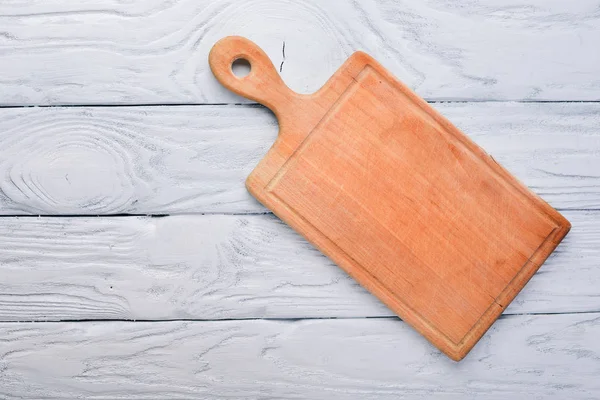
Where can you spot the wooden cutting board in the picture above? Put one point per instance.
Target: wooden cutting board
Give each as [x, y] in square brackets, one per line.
[396, 195]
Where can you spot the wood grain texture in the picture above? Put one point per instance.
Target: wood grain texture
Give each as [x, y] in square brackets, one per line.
[396, 195]
[96, 160]
[549, 357]
[153, 51]
[219, 267]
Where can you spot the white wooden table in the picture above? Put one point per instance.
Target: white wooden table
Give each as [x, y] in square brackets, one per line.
[133, 264]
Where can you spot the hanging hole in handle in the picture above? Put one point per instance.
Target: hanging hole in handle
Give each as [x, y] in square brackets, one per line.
[241, 67]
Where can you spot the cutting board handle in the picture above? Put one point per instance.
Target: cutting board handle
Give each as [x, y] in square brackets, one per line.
[263, 84]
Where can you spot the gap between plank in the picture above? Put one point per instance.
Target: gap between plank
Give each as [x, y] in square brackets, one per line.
[124, 215]
[83, 215]
[260, 105]
[386, 317]
[162, 215]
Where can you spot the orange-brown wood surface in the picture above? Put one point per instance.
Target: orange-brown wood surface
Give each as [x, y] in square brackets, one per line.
[396, 195]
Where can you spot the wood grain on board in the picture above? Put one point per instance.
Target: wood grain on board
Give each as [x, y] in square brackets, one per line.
[154, 51]
[548, 356]
[168, 160]
[220, 267]
[396, 195]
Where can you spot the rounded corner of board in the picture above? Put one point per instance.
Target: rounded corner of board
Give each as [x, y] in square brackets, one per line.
[361, 57]
[455, 351]
[251, 185]
[255, 187]
[564, 224]
[459, 353]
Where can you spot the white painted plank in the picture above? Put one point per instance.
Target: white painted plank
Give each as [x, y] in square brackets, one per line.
[537, 357]
[98, 160]
[131, 160]
[154, 51]
[220, 267]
